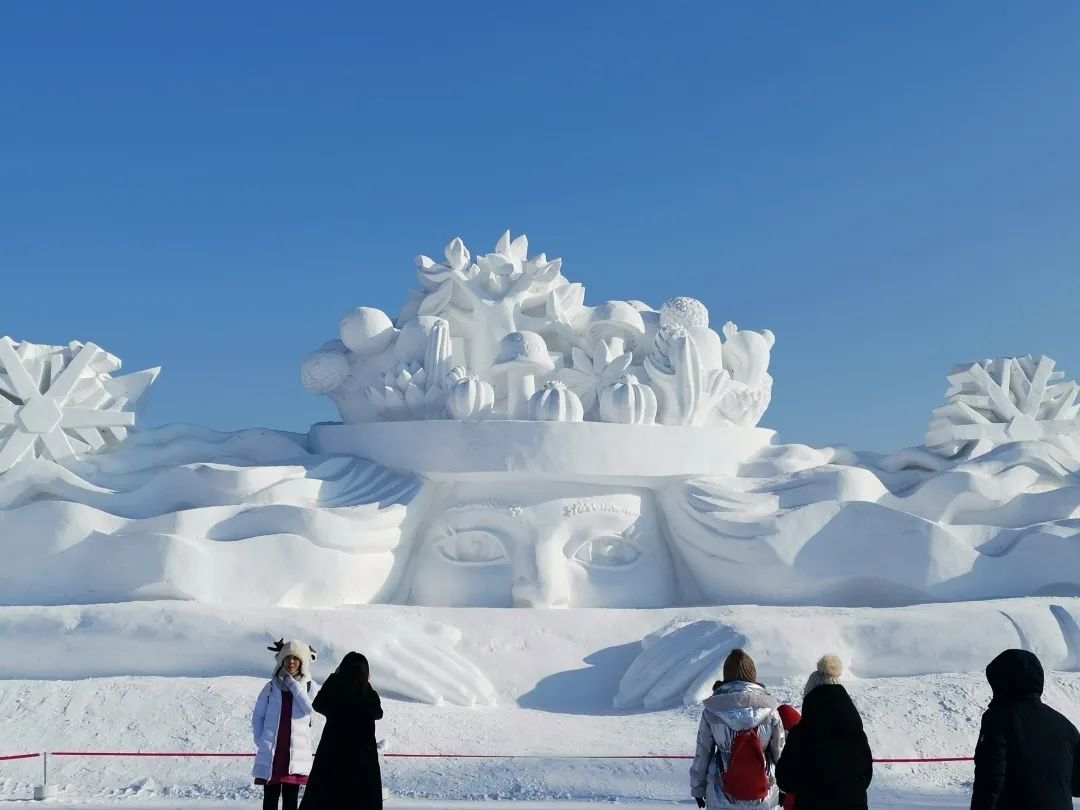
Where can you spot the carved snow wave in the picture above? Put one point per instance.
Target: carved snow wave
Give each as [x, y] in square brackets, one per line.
[187, 513]
[869, 531]
[679, 662]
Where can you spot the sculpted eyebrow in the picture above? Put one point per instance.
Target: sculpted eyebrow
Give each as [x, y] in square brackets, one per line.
[487, 507]
[587, 507]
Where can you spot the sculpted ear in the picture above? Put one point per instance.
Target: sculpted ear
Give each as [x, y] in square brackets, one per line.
[277, 645]
[314, 653]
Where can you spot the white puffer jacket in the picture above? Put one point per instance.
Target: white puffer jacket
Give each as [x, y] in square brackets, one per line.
[735, 707]
[267, 714]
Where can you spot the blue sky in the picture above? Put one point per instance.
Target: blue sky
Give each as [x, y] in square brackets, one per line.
[890, 188]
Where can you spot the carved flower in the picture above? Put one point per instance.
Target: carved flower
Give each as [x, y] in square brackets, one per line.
[589, 375]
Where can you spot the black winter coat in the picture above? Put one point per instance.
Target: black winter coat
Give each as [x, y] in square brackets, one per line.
[345, 773]
[827, 761]
[1028, 756]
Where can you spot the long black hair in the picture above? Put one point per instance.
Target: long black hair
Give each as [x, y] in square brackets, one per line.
[355, 671]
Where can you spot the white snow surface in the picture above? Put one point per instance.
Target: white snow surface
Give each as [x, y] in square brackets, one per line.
[255, 518]
[140, 588]
[181, 677]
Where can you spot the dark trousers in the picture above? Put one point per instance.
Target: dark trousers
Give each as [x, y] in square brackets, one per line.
[287, 793]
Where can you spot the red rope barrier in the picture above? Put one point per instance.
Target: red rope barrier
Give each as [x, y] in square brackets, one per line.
[19, 756]
[928, 759]
[162, 754]
[183, 755]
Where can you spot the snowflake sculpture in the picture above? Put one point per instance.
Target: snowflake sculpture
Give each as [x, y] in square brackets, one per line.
[1009, 399]
[60, 401]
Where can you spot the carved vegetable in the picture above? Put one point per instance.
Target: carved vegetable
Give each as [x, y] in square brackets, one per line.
[470, 399]
[628, 402]
[689, 392]
[555, 403]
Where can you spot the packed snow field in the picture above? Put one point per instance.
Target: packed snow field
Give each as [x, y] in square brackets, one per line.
[541, 683]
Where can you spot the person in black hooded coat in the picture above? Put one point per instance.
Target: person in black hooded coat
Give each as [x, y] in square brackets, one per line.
[345, 773]
[1028, 755]
[827, 762]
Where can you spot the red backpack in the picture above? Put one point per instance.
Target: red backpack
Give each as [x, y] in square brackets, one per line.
[747, 777]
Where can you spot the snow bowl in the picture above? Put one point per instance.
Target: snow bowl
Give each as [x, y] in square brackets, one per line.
[438, 448]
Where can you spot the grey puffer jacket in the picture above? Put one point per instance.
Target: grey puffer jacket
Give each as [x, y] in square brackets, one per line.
[736, 706]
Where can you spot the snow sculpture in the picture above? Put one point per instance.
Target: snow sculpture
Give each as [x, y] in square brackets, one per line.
[1009, 399]
[680, 661]
[628, 401]
[746, 359]
[522, 355]
[592, 373]
[57, 402]
[569, 544]
[555, 403]
[470, 398]
[516, 323]
[247, 518]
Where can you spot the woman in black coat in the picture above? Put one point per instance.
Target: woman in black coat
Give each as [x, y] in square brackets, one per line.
[345, 773]
[826, 761]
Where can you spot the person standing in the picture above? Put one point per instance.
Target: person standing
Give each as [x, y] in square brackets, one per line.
[827, 762]
[740, 738]
[1028, 755]
[281, 725]
[346, 771]
[790, 717]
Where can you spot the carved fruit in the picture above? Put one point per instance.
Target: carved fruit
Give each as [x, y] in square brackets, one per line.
[324, 370]
[555, 403]
[470, 399]
[628, 402]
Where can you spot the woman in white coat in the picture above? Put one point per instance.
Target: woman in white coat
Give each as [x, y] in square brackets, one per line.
[281, 726]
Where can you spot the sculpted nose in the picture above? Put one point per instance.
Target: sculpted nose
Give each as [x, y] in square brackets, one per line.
[532, 594]
[539, 582]
[527, 594]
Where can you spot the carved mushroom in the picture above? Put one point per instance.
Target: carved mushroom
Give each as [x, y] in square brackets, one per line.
[618, 323]
[522, 355]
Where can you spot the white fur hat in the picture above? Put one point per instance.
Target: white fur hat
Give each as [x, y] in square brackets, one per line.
[305, 653]
[829, 669]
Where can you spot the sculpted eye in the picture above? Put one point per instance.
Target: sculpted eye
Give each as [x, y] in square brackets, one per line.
[606, 551]
[473, 547]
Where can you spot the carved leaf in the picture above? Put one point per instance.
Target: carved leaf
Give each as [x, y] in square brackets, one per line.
[457, 255]
[564, 302]
[616, 368]
[548, 272]
[519, 248]
[430, 272]
[581, 359]
[436, 301]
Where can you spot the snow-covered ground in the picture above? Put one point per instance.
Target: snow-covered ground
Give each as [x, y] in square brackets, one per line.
[550, 677]
[897, 801]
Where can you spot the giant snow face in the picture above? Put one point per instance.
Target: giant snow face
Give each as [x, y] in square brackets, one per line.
[563, 545]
